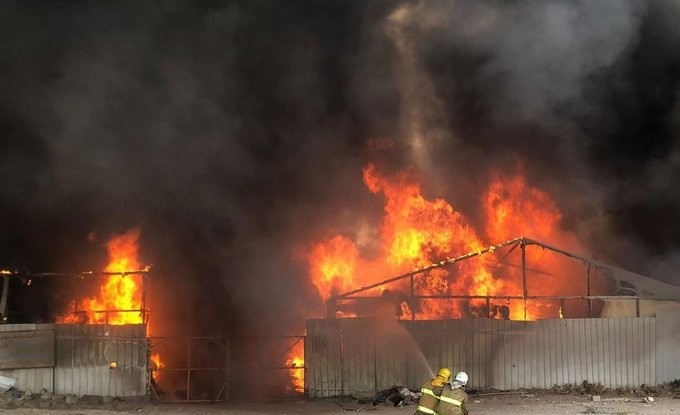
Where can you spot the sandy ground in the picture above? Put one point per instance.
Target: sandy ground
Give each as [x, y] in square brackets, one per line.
[516, 403]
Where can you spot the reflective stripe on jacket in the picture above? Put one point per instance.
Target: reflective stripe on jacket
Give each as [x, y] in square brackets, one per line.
[429, 398]
[452, 402]
[424, 410]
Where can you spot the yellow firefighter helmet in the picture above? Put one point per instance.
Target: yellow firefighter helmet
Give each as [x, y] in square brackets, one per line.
[443, 376]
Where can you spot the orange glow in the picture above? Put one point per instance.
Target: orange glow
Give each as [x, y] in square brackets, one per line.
[120, 296]
[514, 209]
[416, 232]
[156, 364]
[297, 367]
[117, 292]
[337, 265]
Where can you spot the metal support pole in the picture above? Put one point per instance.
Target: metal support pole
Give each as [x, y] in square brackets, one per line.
[524, 276]
[412, 301]
[3, 300]
[375, 366]
[149, 373]
[590, 302]
[226, 369]
[330, 308]
[143, 310]
[342, 361]
[189, 370]
[305, 391]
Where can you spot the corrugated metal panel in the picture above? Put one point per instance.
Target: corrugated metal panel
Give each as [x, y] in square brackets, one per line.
[668, 339]
[33, 379]
[26, 349]
[358, 348]
[89, 350]
[614, 352]
[323, 358]
[414, 361]
[83, 354]
[17, 327]
[495, 353]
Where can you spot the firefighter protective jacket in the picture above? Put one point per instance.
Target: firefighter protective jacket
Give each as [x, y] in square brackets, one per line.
[452, 402]
[429, 398]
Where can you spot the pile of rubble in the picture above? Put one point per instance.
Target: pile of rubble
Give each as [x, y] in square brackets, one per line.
[14, 398]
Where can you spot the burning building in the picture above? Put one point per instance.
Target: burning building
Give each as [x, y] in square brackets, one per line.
[384, 334]
[106, 343]
[98, 345]
[329, 162]
[516, 314]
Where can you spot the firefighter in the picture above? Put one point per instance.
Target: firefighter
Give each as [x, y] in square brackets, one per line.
[431, 391]
[454, 400]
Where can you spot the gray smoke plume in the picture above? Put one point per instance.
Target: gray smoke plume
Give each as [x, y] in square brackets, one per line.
[233, 134]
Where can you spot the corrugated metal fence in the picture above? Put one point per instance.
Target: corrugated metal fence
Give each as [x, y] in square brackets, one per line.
[76, 359]
[364, 356]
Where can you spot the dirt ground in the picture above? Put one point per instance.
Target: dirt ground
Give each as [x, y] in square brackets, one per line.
[511, 403]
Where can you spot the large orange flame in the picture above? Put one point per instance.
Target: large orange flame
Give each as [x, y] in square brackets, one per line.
[338, 264]
[156, 364]
[416, 232]
[514, 208]
[296, 363]
[120, 296]
[119, 300]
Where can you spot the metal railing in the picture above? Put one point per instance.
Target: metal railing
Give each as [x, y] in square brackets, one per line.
[195, 367]
[632, 287]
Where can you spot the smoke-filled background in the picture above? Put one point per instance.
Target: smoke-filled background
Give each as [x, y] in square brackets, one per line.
[233, 134]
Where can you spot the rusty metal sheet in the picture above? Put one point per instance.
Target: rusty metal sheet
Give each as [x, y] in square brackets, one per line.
[497, 354]
[24, 349]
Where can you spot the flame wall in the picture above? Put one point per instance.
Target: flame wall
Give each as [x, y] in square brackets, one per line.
[236, 136]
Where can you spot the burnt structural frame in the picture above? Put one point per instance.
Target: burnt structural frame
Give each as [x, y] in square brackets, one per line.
[223, 392]
[144, 274]
[522, 243]
[143, 310]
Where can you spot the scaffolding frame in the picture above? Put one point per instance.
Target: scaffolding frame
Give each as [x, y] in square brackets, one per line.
[190, 368]
[268, 364]
[144, 274]
[640, 287]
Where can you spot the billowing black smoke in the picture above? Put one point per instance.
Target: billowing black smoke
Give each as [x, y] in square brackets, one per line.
[234, 133]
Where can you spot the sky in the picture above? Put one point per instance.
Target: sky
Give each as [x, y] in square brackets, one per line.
[233, 133]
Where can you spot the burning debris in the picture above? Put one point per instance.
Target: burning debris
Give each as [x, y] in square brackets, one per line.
[447, 87]
[416, 233]
[121, 294]
[295, 363]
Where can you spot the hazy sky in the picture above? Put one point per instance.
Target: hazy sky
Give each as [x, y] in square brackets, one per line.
[234, 133]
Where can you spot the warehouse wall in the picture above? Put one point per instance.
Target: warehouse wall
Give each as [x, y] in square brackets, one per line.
[667, 342]
[364, 356]
[644, 308]
[81, 359]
